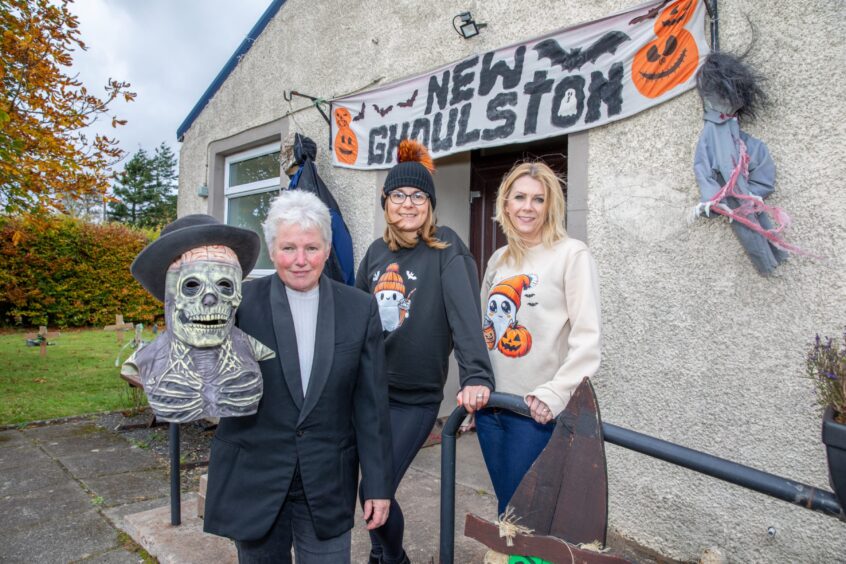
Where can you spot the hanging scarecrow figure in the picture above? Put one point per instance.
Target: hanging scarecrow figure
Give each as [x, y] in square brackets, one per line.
[298, 155]
[734, 170]
[201, 365]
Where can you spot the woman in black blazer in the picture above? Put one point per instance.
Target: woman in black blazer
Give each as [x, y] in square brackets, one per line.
[288, 474]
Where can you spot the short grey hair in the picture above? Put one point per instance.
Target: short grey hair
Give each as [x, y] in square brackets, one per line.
[300, 208]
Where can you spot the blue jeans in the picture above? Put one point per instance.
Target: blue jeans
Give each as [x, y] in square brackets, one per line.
[293, 526]
[510, 444]
[410, 427]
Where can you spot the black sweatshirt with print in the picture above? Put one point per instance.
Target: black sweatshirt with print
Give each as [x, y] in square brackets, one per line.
[429, 302]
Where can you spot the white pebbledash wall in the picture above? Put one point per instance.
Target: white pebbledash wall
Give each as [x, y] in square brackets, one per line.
[698, 348]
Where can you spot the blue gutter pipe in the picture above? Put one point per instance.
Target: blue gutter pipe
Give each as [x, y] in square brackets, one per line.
[229, 67]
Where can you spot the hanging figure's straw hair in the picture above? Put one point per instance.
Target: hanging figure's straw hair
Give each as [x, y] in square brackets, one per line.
[726, 79]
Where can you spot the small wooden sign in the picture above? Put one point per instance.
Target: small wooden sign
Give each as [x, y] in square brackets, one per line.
[119, 327]
[42, 338]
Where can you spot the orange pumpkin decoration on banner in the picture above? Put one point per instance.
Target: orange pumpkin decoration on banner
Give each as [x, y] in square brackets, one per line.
[346, 143]
[675, 16]
[516, 342]
[670, 59]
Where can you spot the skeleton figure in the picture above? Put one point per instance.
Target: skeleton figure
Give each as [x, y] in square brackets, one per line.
[202, 365]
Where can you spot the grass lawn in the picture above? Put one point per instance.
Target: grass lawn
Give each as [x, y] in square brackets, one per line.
[77, 376]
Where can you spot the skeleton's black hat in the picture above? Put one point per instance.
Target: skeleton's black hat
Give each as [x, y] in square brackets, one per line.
[186, 233]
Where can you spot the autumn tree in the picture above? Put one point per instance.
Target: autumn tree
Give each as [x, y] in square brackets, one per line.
[46, 159]
[144, 193]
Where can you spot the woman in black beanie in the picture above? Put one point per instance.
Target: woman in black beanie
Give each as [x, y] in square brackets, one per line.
[424, 280]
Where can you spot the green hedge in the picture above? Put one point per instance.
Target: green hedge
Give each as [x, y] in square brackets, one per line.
[69, 273]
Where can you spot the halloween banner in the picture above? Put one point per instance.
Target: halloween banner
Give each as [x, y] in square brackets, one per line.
[570, 80]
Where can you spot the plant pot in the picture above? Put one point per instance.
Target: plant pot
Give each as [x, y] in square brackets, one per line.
[834, 438]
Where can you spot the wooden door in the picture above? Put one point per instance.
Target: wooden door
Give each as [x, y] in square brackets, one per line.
[487, 169]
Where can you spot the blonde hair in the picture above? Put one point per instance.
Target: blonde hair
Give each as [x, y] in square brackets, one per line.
[397, 239]
[552, 229]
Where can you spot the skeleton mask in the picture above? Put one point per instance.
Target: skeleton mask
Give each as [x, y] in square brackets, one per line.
[202, 293]
[202, 365]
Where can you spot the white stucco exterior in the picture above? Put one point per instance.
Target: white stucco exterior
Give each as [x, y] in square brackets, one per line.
[698, 348]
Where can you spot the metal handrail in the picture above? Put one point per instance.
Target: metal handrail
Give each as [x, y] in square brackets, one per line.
[791, 491]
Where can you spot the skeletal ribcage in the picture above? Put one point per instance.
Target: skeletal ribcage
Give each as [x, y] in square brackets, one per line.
[176, 398]
[238, 393]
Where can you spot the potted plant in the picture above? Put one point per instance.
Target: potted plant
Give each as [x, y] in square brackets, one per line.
[826, 367]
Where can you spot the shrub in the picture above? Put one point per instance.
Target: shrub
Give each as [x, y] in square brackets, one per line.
[70, 273]
[826, 367]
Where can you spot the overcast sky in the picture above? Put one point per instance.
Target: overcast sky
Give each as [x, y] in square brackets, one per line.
[169, 50]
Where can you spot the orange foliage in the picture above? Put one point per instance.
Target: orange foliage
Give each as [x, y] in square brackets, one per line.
[68, 273]
[45, 157]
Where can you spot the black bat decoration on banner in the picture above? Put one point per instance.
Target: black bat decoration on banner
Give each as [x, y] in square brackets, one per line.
[410, 102]
[383, 112]
[360, 114]
[650, 14]
[573, 59]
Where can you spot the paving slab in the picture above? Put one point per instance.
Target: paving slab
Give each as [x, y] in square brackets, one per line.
[75, 538]
[48, 433]
[40, 506]
[29, 477]
[185, 544]
[110, 460]
[12, 437]
[419, 497]
[26, 454]
[470, 469]
[81, 444]
[130, 487]
[117, 556]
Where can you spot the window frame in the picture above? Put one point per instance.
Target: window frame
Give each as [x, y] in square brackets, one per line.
[251, 188]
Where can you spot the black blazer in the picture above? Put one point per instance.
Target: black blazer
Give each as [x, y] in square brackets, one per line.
[343, 418]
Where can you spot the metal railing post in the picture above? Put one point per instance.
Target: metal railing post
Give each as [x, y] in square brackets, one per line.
[793, 492]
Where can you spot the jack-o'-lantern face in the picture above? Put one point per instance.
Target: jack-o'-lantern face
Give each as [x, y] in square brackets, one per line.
[664, 63]
[346, 146]
[516, 342]
[675, 16]
[346, 143]
[343, 117]
[490, 336]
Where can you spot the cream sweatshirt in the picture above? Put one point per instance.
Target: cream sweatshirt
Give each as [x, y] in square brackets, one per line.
[541, 321]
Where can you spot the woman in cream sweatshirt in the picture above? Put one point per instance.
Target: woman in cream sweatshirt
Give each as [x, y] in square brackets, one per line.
[541, 321]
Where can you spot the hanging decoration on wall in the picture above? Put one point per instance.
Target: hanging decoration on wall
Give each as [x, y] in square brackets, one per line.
[735, 171]
[201, 365]
[570, 80]
[298, 155]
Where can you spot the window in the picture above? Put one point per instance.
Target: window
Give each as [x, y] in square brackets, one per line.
[251, 181]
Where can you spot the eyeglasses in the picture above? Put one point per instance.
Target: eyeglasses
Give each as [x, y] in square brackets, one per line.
[418, 198]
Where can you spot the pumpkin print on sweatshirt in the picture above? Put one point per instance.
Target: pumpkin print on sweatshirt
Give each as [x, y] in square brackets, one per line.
[392, 297]
[500, 327]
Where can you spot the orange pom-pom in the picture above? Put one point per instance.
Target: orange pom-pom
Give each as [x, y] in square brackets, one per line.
[414, 151]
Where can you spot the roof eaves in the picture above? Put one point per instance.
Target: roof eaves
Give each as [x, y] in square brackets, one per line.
[229, 67]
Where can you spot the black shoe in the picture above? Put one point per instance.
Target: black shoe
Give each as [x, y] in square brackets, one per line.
[403, 560]
[374, 559]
